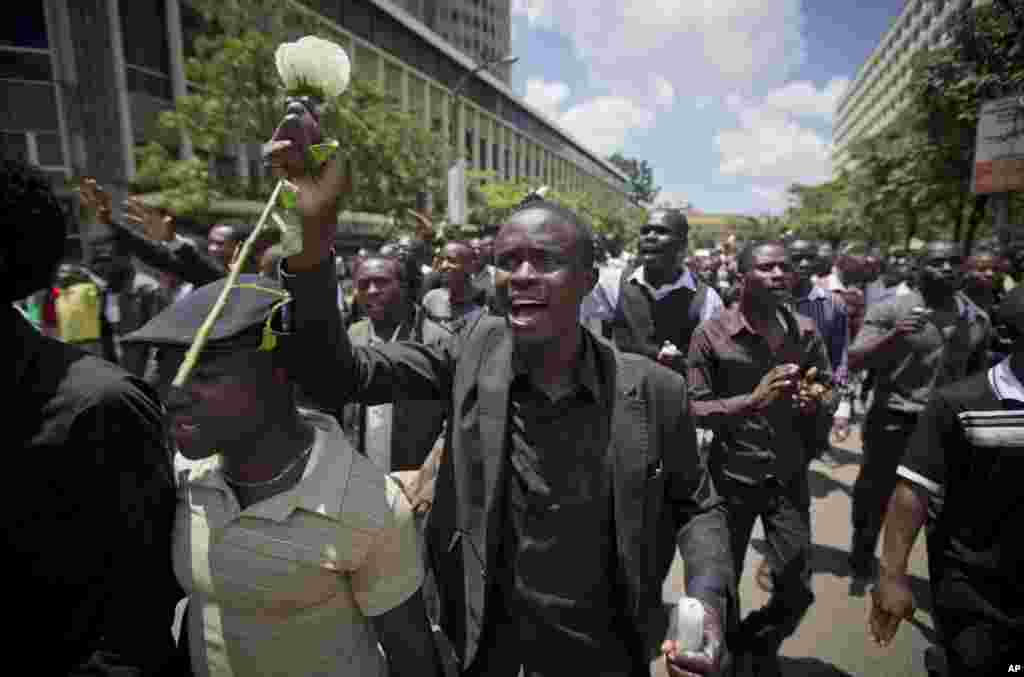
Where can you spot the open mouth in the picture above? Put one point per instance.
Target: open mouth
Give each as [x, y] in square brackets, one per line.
[526, 312]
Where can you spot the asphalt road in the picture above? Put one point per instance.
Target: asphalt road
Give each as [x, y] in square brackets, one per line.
[833, 639]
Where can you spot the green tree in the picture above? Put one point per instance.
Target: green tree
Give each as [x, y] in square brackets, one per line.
[642, 191]
[610, 216]
[238, 99]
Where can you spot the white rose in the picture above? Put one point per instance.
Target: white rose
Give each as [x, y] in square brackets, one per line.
[314, 62]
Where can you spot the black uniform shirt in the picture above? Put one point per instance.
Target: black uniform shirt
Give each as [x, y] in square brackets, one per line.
[559, 547]
[968, 453]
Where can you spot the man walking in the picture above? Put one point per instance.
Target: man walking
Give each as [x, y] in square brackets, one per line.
[746, 365]
[571, 471]
[655, 307]
[914, 342]
[458, 301]
[967, 455]
[830, 317]
[385, 289]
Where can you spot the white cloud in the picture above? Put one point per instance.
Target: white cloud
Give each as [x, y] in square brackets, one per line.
[664, 92]
[802, 98]
[547, 96]
[772, 147]
[713, 46]
[601, 123]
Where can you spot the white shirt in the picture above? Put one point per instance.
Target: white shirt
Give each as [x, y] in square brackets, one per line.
[604, 299]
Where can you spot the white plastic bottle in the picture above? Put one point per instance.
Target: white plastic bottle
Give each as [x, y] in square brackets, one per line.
[689, 624]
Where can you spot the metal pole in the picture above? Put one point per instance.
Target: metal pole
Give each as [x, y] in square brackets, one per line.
[457, 194]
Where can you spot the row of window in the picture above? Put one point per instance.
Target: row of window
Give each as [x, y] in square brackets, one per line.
[891, 50]
[472, 21]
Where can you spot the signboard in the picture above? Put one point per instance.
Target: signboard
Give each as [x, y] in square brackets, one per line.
[999, 154]
[457, 193]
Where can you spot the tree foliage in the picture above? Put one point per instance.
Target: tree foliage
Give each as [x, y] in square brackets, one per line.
[913, 179]
[492, 201]
[642, 191]
[238, 99]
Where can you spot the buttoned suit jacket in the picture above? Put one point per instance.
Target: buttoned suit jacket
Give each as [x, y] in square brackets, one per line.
[662, 494]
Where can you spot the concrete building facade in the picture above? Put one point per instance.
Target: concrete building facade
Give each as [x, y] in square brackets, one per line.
[880, 90]
[84, 80]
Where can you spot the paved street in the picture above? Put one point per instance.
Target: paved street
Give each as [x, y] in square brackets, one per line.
[833, 639]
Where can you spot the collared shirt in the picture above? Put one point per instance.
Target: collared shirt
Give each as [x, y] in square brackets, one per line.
[909, 370]
[288, 585]
[439, 306]
[380, 417]
[560, 545]
[967, 453]
[604, 298]
[833, 324]
[727, 360]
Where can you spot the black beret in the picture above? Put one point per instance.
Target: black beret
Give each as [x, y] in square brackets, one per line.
[247, 312]
[1011, 309]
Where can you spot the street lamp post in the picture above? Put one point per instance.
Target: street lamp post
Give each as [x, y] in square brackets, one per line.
[457, 189]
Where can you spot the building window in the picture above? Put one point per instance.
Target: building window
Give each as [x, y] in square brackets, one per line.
[144, 34]
[24, 25]
[20, 65]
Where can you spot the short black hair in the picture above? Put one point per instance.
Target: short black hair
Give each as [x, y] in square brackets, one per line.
[745, 260]
[34, 227]
[409, 275]
[674, 218]
[557, 213]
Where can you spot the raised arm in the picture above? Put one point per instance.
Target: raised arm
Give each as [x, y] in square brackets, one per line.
[880, 341]
[320, 357]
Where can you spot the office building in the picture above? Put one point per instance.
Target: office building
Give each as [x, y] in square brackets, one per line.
[84, 80]
[880, 90]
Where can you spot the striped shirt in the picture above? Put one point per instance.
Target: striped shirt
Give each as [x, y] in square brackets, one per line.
[968, 452]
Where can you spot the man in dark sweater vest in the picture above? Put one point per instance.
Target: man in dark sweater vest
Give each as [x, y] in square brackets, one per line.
[659, 304]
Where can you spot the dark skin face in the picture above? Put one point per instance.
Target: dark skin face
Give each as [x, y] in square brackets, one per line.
[539, 277]
[826, 255]
[379, 291]
[220, 244]
[457, 262]
[941, 267]
[803, 256]
[898, 269]
[660, 244]
[767, 281]
[980, 272]
[225, 393]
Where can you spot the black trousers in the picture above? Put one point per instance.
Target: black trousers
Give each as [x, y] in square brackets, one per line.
[886, 435]
[784, 509]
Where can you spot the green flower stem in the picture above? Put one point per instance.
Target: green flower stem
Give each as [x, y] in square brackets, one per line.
[204, 331]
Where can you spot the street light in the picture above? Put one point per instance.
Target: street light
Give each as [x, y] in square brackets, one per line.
[457, 173]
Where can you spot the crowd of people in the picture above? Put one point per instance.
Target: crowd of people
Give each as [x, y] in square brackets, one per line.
[481, 457]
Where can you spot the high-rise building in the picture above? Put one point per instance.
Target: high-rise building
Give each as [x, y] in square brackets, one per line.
[481, 29]
[880, 90]
[83, 82]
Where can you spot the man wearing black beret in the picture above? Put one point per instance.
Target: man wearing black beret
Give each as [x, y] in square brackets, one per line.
[303, 550]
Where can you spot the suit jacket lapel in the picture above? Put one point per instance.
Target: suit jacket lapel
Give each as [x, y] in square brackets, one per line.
[630, 448]
[493, 382]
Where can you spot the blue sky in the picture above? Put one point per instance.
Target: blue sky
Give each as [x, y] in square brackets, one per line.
[730, 100]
